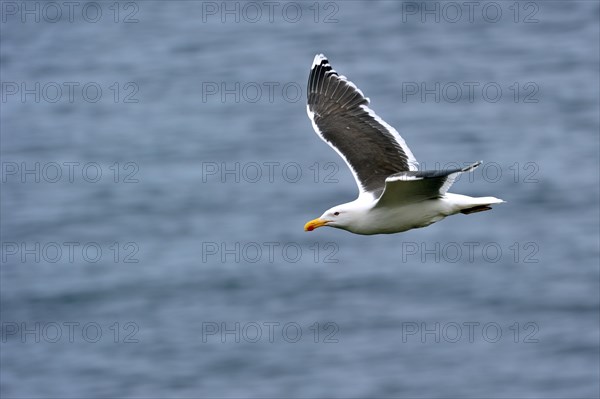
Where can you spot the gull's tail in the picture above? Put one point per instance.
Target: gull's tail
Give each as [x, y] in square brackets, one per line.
[467, 205]
[479, 204]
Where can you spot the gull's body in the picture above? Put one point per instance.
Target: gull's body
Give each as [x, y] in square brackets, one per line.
[394, 196]
[367, 218]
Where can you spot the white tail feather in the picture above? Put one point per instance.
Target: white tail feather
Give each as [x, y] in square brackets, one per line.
[459, 202]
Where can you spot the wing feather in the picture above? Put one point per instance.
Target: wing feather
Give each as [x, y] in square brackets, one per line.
[340, 115]
[407, 187]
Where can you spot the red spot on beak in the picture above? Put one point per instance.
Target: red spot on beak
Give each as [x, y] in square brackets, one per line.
[310, 228]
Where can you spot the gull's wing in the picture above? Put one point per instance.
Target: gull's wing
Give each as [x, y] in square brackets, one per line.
[340, 115]
[416, 186]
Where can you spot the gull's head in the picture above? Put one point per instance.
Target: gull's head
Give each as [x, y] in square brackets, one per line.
[337, 216]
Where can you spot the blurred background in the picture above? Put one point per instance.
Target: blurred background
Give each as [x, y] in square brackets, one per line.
[158, 167]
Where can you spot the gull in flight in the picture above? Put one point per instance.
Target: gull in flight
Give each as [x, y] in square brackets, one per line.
[394, 196]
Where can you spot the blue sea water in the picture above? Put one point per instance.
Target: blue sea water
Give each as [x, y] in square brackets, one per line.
[158, 168]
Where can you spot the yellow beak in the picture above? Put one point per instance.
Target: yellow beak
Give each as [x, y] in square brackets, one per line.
[313, 224]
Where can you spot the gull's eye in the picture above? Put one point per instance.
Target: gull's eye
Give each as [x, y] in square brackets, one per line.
[336, 213]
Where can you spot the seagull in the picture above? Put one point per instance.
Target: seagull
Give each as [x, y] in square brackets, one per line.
[393, 194]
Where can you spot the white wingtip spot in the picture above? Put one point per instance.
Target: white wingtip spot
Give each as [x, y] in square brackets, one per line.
[317, 60]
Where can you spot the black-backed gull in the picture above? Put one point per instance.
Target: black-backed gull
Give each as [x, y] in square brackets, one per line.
[394, 196]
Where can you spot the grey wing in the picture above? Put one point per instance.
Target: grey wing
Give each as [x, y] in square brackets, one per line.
[416, 186]
[340, 115]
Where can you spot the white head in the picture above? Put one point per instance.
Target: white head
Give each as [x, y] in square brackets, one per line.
[341, 216]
